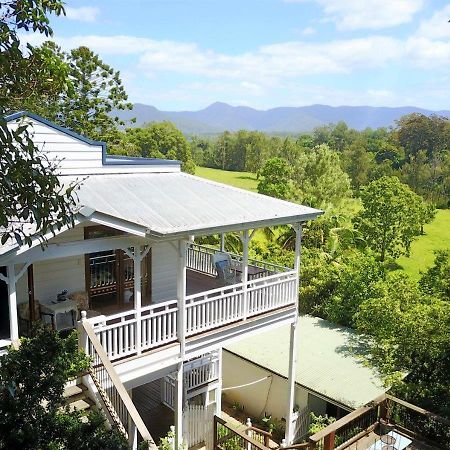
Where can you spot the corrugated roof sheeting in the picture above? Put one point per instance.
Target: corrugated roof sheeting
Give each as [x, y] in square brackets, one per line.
[169, 203]
[325, 362]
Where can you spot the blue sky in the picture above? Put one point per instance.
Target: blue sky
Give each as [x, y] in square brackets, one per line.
[186, 54]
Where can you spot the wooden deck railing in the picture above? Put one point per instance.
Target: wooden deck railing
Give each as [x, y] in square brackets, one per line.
[113, 394]
[226, 437]
[403, 416]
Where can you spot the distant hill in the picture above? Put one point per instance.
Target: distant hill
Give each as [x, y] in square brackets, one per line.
[219, 117]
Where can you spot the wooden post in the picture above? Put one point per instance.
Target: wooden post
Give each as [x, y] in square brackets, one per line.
[245, 242]
[12, 301]
[328, 441]
[138, 296]
[291, 383]
[181, 296]
[178, 407]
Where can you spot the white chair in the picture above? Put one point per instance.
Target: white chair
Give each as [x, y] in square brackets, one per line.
[224, 267]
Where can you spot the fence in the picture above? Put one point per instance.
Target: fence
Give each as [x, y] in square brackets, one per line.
[198, 425]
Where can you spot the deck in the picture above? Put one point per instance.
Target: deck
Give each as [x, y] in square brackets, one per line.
[157, 417]
[369, 442]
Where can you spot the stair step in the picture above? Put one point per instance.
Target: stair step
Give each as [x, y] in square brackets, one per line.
[80, 405]
[71, 391]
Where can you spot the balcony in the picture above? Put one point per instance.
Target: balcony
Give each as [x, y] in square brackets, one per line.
[209, 306]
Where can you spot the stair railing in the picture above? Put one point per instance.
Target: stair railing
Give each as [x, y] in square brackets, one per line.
[118, 403]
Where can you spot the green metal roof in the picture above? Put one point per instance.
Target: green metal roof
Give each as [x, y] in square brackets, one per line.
[325, 363]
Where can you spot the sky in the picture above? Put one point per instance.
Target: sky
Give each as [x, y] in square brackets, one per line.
[187, 54]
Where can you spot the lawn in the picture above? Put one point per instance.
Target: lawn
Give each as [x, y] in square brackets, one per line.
[437, 237]
[243, 180]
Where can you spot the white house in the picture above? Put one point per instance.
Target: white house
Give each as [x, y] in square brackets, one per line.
[153, 305]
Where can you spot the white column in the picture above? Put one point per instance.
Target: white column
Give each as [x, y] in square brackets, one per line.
[293, 343]
[138, 296]
[291, 382]
[222, 242]
[12, 301]
[179, 388]
[181, 296]
[245, 242]
[219, 387]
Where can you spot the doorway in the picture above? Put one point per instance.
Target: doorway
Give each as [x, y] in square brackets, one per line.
[110, 275]
[4, 307]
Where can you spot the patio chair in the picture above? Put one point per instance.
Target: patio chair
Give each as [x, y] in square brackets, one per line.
[23, 313]
[81, 298]
[225, 271]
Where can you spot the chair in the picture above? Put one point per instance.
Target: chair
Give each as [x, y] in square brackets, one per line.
[23, 313]
[224, 268]
[81, 298]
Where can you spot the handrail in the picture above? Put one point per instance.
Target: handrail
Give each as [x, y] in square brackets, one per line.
[245, 438]
[108, 380]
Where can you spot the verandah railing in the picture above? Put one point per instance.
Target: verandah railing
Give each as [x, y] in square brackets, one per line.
[221, 306]
[199, 258]
[113, 394]
[204, 311]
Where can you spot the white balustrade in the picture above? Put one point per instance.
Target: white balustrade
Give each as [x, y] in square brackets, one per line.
[212, 309]
[159, 324]
[273, 288]
[201, 371]
[117, 333]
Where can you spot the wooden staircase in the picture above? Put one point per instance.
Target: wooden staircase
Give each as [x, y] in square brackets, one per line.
[76, 396]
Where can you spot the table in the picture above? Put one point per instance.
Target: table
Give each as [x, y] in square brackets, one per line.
[401, 442]
[53, 309]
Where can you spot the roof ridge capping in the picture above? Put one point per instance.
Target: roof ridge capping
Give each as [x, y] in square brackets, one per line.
[313, 212]
[107, 160]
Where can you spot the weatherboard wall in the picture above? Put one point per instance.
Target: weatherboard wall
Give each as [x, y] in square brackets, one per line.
[164, 272]
[79, 156]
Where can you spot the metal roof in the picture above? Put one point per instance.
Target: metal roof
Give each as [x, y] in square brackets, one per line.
[180, 204]
[325, 363]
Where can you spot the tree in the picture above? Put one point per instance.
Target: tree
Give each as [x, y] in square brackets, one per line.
[436, 279]
[358, 163]
[390, 218]
[32, 412]
[276, 179]
[409, 332]
[160, 140]
[97, 92]
[319, 179]
[34, 201]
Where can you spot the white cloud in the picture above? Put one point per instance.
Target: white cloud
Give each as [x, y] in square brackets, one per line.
[368, 14]
[436, 27]
[83, 13]
[308, 31]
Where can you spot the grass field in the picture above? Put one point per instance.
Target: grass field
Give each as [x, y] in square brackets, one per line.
[437, 237]
[244, 180]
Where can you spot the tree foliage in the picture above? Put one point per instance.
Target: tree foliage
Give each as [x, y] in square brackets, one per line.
[276, 179]
[390, 218]
[32, 412]
[158, 140]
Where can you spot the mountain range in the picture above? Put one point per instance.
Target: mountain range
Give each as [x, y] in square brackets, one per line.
[219, 117]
